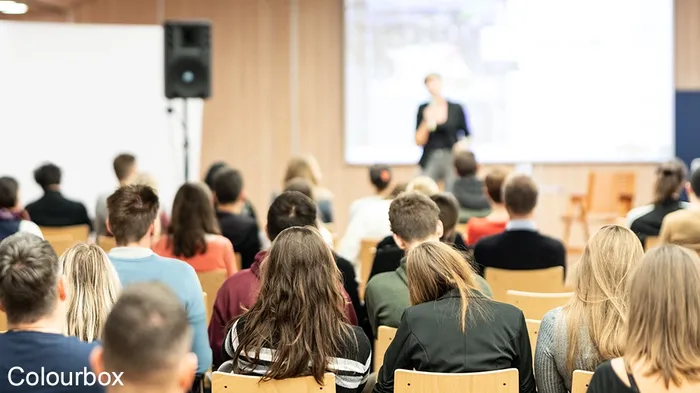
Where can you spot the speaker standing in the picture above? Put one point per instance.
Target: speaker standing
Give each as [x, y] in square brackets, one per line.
[438, 127]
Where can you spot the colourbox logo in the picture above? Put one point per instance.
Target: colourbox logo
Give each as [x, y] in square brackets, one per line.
[18, 377]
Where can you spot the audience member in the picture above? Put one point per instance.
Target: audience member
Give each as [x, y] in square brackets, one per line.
[424, 185]
[662, 348]
[496, 221]
[682, 227]
[590, 328]
[193, 235]
[33, 294]
[298, 318]
[13, 219]
[381, 179]
[53, 209]
[133, 211]
[93, 288]
[303, 186]
[451, 327]
[467, 188]
[147, 338]
[239, 292]
[125, 169]
[307, 167]
[213, 170]
[414, 220]
[670, 179]
[521, 246]
[240, 229]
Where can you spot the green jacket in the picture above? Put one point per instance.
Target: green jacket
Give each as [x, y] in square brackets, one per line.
[386, 297]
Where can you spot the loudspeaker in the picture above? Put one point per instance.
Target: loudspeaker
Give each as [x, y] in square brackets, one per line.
[187, 59]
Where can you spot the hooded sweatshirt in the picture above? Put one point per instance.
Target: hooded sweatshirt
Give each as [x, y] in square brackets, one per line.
[237, 295]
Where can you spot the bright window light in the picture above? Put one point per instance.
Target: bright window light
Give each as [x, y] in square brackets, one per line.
[13, 7]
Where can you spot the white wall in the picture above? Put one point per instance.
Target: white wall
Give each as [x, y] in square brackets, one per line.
[77, 95]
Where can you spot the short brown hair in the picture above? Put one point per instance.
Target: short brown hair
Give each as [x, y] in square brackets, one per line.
[465, 163]
[494, 184]
[132, 210]
[663, 324]
[413, 216]
[449, 213]
[520, 194]
[29, 272]
[146, 333]
[301, 185]
[670, 179]
[123, 165]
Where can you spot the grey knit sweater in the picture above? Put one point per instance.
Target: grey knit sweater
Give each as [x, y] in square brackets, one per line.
[551, 372]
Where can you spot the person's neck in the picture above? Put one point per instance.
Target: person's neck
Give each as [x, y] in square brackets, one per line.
[432, 238]
[235, 207]
[694, 200]
[53, 187]
[521, 217]
[498, 211]
[384, 193]
[48, 324]
[145, 242]
[438, 99]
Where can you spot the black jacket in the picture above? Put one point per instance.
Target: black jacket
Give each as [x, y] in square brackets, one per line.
[519, 250]
[430, 338]
[469, 192]
[54, 210]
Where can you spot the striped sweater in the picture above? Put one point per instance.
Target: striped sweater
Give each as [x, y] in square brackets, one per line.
[351, 368]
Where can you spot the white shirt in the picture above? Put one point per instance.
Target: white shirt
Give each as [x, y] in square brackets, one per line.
[369, 222]
[30, 227]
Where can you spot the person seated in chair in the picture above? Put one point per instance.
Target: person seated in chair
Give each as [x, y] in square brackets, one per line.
[682, 226]
[497, 220]
[53, 209]
[13, 219]
[521, 246]
[468, 189]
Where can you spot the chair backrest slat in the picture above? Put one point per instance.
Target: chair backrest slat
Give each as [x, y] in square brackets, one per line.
[550, 280]
[580, 381]
[385, 335]
[534, 304]
[232, 383]
[501, 381]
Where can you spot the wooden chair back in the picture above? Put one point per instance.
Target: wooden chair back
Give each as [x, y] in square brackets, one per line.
[550, 280]
[3, 321]
[501, 381]
[368, 248]
[78, 233]
[209, 309]
[385, 335]
[230, 383]
[610, 192]
[651, 242]
[580, 381]
[533, 328]
[61, 243]
[239, 262]
[107, 243]
[211, 282]
[534, 304]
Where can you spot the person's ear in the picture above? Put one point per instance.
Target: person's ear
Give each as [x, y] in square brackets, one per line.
[97, 360]
[186, 371]
[62, 288]
[152, 228]
[109, 228]
[241, 195]
[399, 242]
[439, 229]
[688, 189]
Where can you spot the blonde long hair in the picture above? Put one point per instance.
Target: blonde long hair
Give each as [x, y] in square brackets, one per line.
[93, 288]
[433, 269]
[601, 297]
[663, 332]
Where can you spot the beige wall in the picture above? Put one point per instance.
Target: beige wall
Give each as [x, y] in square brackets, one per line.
[278, 90]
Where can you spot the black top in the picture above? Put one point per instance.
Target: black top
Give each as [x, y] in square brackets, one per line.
[429, 338]
[351, 366]
[242, 231]
[519, 250]
[388, 255]
[469, 192]
[646, 220]
[54, 210]
[445, 135]
[605, 380]
[350, 285]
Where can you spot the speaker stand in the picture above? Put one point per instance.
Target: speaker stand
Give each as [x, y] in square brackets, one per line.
[184, 122]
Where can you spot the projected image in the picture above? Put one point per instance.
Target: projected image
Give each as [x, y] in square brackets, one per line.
[537, 82]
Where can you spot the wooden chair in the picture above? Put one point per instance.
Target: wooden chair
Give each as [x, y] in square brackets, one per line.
[535, 305]
[501, 381]
[550, 280]
[385, 335]
[230, 383]
[580, 381]
[3, 322]
[211, 282]
[651, 242]
[368, 247]
[79, 233]
[609, 195]
[239, 261]
[533, 328]
[107, 243]
[61, 243]
[209, 309]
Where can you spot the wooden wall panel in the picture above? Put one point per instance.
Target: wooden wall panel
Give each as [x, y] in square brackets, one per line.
[117, 11]
[687, 44]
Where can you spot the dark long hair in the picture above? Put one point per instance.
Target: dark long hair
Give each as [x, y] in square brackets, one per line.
[193, 218]
[670, 178]
[299, 309]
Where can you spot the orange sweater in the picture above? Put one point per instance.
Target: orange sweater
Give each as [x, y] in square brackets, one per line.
[482, 227]
[219, 255]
